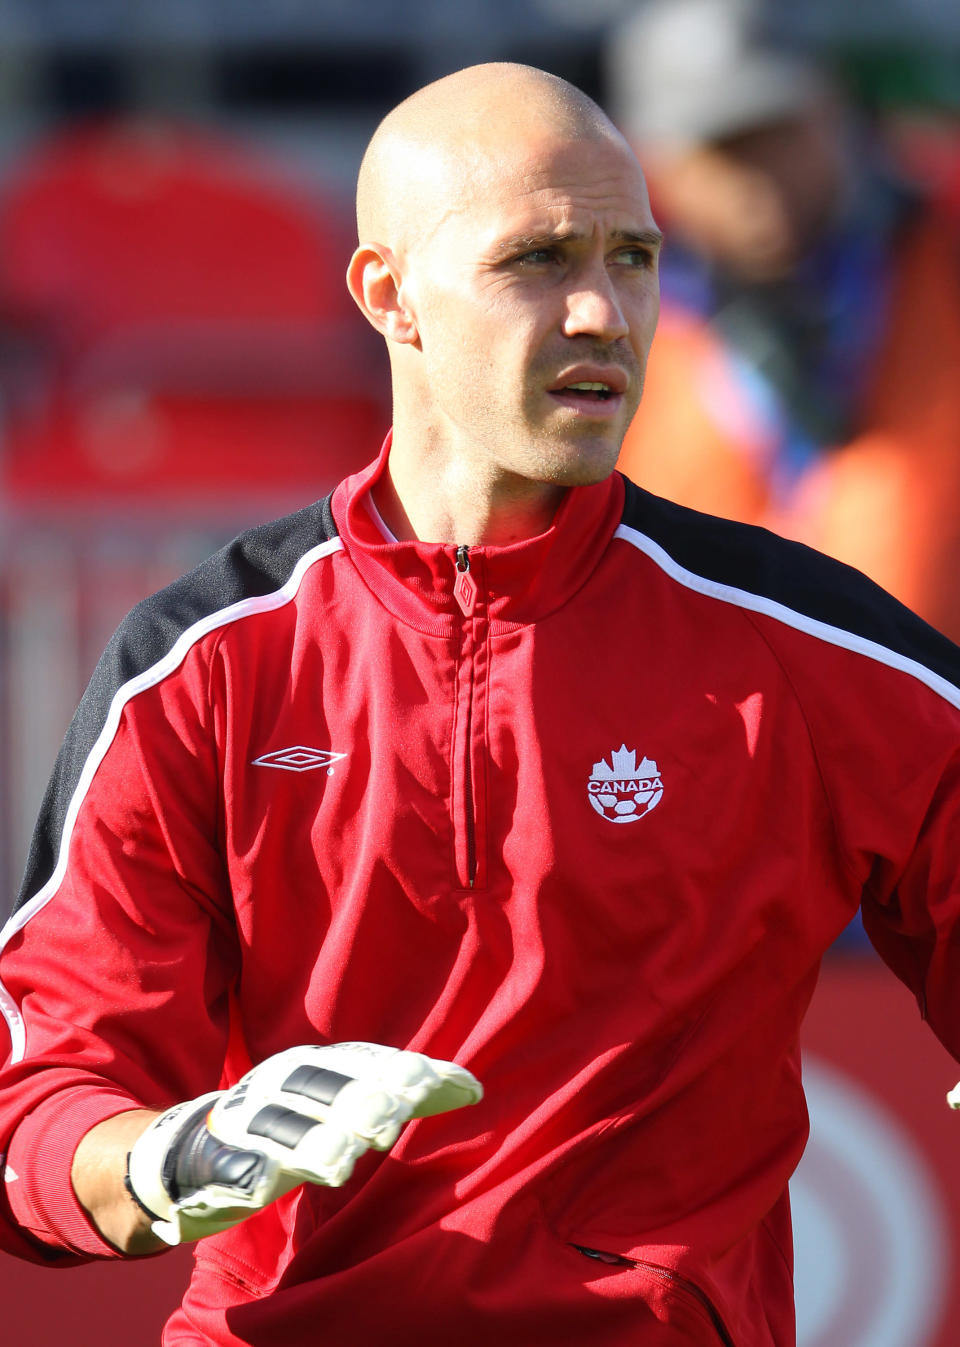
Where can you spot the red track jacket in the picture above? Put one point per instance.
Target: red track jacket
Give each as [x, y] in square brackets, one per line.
[581, 813]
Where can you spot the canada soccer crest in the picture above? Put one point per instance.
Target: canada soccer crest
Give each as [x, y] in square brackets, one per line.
[622, 792]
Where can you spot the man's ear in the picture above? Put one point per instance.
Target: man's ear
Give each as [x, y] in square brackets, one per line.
[374, 281]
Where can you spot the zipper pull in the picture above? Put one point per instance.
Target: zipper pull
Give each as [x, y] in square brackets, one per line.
[465, 587]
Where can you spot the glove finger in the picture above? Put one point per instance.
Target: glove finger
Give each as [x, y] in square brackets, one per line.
[327, 1155]
[448, 1086]
[374, 1114]
[302, 1147]
[387, 1133]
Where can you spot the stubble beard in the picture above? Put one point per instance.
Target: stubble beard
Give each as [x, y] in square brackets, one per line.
[569, 450]
[536, 442]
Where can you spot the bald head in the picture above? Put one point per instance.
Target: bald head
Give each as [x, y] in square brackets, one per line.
[508, 255]
[456, 134]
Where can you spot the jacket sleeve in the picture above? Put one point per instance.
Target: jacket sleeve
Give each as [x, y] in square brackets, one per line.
[885, 728]
[117, 966]
[911, 909]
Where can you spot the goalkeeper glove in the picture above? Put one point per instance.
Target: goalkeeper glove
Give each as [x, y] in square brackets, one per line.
[305, 1114]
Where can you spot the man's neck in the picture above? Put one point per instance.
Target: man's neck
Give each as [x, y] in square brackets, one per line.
[441, 500]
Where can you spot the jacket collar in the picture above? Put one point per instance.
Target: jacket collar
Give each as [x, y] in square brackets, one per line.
[516, 585]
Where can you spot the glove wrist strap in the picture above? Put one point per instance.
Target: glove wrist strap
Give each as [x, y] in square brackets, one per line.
[151, 1162]
[154, 1216]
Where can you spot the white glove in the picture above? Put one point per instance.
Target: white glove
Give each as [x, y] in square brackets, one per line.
[306, 1114]
[953, 1097]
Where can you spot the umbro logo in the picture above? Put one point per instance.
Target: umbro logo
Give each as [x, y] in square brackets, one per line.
[299, 758]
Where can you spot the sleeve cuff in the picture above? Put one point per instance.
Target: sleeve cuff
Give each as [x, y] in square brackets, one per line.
[40, 1156]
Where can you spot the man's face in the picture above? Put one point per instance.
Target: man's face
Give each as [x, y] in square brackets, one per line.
[536, 299]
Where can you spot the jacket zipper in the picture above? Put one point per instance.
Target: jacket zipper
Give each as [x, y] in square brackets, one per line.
[692, 1289]
[672, 1278]
[465, 593]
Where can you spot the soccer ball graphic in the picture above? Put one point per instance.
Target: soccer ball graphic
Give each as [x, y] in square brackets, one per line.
[622, 792]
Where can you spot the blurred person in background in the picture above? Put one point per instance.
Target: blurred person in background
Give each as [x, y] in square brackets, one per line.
[804, 376]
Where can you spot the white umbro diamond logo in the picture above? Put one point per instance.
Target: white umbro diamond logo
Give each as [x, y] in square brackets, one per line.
[299, 758]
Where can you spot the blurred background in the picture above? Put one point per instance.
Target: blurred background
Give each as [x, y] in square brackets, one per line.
[178, 359]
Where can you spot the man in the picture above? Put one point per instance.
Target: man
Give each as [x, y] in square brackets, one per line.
[496, 760]
[804, 371]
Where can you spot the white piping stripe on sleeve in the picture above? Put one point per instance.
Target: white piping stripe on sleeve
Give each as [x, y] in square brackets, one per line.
[149, 678]
[758, 603]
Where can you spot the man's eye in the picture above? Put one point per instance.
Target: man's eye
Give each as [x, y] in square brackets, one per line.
[536, 256]
[642, 259]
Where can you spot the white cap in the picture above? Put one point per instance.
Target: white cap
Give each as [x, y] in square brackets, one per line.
[692, 71]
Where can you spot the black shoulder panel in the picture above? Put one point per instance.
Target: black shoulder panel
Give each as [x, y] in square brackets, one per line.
[809, 584]
[257, 563]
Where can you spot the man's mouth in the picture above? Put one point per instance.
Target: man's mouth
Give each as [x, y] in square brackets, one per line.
[590, 397]
[599, 392]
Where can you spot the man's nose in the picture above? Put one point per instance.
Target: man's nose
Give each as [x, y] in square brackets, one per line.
[594, 307]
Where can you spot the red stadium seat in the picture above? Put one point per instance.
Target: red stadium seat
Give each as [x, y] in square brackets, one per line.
[186, 326]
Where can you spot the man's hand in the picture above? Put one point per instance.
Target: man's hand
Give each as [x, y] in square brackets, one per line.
[306, 1114]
